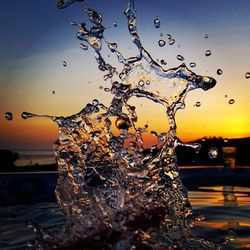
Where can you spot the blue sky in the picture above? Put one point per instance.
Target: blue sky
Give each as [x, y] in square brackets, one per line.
[36, 38]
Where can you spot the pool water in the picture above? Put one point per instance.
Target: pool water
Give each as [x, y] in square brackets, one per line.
[226, 210]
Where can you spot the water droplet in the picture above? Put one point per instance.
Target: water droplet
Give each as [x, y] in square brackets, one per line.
[26, 115]
[192, 64]
[213, 153]
[161, 34]
[163, 62]
[206, 36]
[161, 43]
[83, 46]
[121, 123]
[169, 36]
[197, 104]
[100, 87]
[219, 72]
[226, 96]
[53, 92]
[141, 83]
[171, 42]
[8, 116]
[115, 24]
[208, 52]
[247, 75]
[148, 82]
[157, 22]
[180, 57]
[225, 140]
[231, 101]
[64, 63]
[73, 23]
[107, 89]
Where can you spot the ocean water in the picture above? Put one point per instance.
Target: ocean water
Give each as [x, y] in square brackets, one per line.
[226, 210]
[32, 157]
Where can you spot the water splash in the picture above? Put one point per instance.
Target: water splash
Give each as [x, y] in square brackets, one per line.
[114, 191]
[231, 101]
[247, 75]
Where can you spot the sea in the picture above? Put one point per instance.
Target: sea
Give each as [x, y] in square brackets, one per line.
[31, 157]
[226, 210]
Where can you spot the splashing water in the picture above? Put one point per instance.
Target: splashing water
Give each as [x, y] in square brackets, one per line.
[116, 193]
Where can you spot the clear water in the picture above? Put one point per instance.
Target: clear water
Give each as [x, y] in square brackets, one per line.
[222, 218]
[112, 188]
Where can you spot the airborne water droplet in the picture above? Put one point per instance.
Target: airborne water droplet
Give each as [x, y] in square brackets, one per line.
[206, 36]
[107, 89]
[213, 153]
[163, 62]
[161, 43]
[8, 116]
[53, 92]
[141, 83]
[192, 64]
[197, 104]
[157, 22]
[219, 72]
[64, 63]
[73, 23]
[115, 24]
[180, 57]
[231, 101]
[171, 42]
[247, 75]
[83, 46]
[169, 36]
[208, 53]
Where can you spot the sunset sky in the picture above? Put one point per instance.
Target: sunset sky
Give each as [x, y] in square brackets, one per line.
[36, 38]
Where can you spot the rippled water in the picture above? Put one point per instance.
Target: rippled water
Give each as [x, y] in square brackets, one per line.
[228, 215]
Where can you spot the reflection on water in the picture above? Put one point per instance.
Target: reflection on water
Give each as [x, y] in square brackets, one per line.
[226, 209]
[227, 212]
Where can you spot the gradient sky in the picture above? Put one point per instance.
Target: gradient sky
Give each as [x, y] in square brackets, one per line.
[36, 38]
